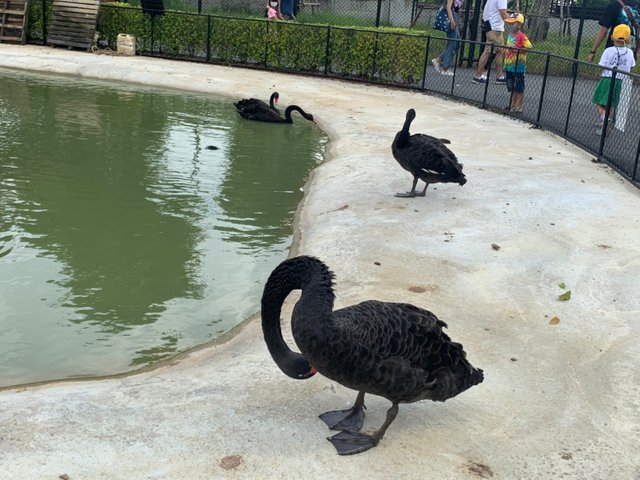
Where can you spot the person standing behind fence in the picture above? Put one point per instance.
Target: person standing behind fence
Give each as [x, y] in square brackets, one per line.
[495, 13]
[618, 56]
[444, 60]
[515, 62]
[617, 12]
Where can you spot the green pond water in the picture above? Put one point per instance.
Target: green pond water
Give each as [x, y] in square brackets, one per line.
[123, 240]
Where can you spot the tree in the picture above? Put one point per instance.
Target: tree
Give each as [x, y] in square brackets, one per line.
[539, 20]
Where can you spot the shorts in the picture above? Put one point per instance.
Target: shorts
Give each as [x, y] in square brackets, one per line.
[601, 95]
[496, 38]
[515, 82]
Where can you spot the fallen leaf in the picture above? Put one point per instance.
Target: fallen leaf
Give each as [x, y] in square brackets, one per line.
[554, 321]
[565, 296]
[562, 286]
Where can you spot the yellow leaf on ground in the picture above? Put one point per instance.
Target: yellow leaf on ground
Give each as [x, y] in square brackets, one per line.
[554, 321]
[565, 296]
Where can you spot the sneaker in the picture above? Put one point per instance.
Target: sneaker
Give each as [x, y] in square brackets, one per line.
[501, 80]
[446, 73]
[479, 79]
[436, 65]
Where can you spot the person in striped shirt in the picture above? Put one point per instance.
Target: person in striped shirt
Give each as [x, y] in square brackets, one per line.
[515, 62]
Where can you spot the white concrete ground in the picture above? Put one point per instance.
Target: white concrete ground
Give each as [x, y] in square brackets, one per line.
[558, 401]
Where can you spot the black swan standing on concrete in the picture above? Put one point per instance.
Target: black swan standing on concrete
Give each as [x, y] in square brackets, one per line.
[426, 158]
[394, 350]
[250, 107]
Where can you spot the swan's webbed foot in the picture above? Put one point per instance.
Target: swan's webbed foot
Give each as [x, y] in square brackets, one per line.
[406, 195]
[350, 443]
[412, 192]
[350, 419]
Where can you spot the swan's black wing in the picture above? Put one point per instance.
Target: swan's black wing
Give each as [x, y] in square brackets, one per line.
[433, 158]
[255, 109]
[429, 138]
[398, 351]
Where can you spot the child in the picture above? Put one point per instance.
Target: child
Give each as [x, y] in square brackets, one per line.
[272, 12]
[515, 62]
[621, 57]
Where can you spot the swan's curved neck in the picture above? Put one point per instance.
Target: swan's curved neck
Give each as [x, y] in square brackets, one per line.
[403, 135]
[290, 109]
[272, 99]
[315, 280]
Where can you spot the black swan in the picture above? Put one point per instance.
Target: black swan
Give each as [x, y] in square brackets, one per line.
[250, 107]
[426, 158]
[394, 350]
[274, 117]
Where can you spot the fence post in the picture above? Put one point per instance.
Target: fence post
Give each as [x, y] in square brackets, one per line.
[327, 51]
[486, 85]
[426, 61]
[544, 86]
[266, 44]
[44, 22]
[375, 57]
[635, 167]
[576, 53]
[378, 13]
[208, 38]
[153, 28]
[574, 71]
[607, 112]
[199, 7]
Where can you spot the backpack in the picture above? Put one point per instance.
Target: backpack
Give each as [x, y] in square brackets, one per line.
[632, 19]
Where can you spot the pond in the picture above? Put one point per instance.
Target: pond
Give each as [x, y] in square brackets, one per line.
[123, 239]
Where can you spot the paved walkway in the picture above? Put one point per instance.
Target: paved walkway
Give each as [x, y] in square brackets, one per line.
[558, 401]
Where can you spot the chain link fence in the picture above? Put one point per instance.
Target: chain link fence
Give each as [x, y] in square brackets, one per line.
[567, 28]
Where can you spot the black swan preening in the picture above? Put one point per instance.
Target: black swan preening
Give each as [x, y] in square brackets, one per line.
[426, 158]
[250, 107]
[394, 350]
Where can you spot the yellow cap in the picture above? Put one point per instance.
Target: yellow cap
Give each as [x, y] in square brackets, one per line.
[621, 32]
[519, 18]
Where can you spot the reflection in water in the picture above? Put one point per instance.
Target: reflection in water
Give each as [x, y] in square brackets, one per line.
[124, 240]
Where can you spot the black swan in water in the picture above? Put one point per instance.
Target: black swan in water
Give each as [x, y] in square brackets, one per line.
[268, 115]
[426, 158]
[395, 350]
[250, 107]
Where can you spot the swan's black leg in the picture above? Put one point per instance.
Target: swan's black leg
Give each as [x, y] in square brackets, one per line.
[412, 193]
[350, 419]
[423, 192]
[350, 443]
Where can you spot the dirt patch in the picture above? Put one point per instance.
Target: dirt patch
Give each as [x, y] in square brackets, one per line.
[480, 470]
[231, 462]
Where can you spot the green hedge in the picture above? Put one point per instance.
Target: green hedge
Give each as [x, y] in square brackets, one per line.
[380, 54]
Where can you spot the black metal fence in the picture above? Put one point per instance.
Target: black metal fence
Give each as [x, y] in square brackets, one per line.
[558, 90]
[567, 27]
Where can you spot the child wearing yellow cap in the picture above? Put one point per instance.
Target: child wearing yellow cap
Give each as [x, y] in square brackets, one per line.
[617, 56]
[515, 62]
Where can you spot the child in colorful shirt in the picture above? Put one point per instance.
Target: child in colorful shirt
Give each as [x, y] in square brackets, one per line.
[515, 62]
[618, 56]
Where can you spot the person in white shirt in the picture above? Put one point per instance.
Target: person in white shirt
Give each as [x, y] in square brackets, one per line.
[618, 56]
[493, 15]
